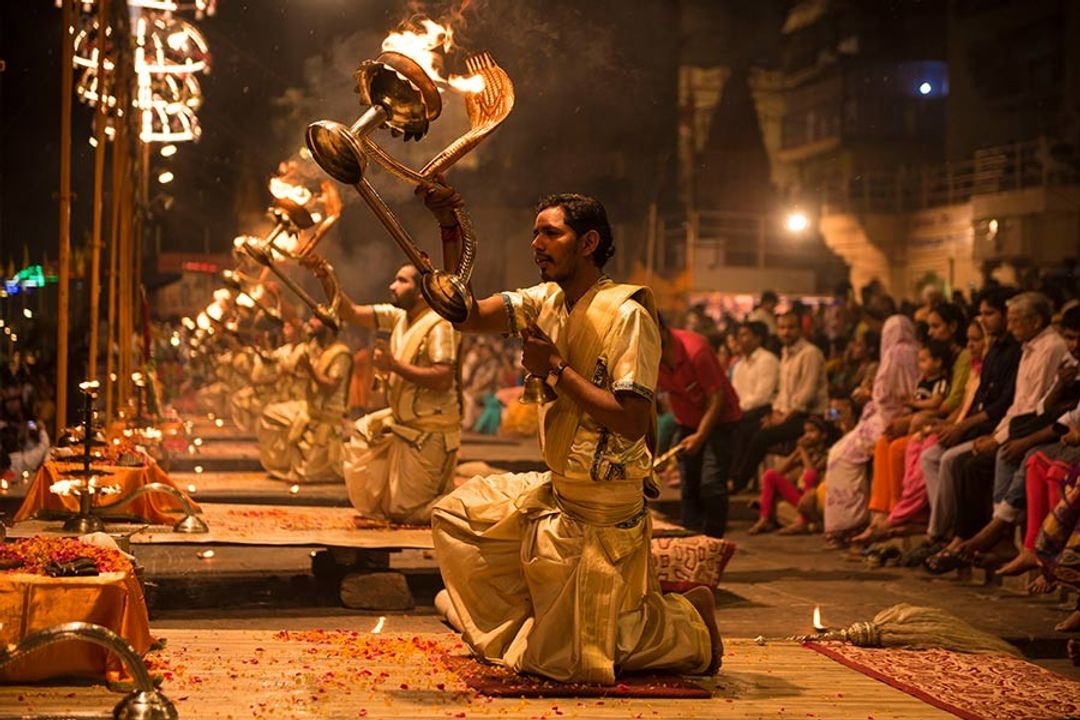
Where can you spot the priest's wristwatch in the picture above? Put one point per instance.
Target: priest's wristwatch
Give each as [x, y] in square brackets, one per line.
[555, 373]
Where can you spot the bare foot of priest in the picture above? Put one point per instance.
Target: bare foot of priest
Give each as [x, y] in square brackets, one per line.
[703, 601]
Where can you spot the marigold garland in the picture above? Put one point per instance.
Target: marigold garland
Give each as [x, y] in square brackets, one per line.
[37, 552]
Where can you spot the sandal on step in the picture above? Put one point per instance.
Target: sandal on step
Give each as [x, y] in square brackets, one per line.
[919, 555]
[944, 562]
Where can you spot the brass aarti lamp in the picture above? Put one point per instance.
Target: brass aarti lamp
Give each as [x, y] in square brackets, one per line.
[292, 218]
[403, 98]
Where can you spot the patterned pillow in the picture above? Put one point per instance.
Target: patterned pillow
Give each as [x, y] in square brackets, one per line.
[686, 562]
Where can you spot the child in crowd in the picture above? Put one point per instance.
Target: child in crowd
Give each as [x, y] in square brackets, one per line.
[807, 464]
[933, 387]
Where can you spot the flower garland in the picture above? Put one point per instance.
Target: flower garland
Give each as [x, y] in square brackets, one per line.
[36, 553]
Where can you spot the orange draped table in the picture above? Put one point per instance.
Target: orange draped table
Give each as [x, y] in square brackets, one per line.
[153, 508]
[30, 602]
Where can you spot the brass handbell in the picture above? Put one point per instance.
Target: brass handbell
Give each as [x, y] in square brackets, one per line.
[537, 392]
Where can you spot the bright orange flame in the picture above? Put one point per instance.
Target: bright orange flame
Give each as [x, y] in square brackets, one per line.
[287, 191]
[420, 45]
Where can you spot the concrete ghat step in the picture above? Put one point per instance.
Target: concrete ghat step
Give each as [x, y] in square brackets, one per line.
[188, 463]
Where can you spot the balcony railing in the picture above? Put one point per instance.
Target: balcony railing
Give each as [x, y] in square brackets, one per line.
[732, 239]
[1037, 163]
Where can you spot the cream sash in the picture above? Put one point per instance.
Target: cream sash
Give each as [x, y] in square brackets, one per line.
[333, 410]
[402, 393]
[581, 345]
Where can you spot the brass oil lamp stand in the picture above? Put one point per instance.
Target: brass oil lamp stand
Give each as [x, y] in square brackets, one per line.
[85, 521]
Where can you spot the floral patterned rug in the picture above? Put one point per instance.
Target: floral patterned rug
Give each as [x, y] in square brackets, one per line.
[973, 687]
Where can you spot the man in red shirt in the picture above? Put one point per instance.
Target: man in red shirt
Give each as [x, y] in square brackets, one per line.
[706, 409]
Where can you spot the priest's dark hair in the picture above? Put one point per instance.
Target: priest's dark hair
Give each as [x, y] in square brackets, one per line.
[583, 213]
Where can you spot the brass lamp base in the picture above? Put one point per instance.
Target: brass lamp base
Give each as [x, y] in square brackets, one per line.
[84, 524]
[447, 295]
[145, 705]
[191, 524]
[337, 150]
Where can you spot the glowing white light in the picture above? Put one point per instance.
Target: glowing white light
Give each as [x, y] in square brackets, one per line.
[379, 625]
[27, 313]
[205, 554]
[926, 88]
[165, 177]
[192, 489]
[174, 341]
[993, 226]
[797, 222]
[294, 490]
[168, 150]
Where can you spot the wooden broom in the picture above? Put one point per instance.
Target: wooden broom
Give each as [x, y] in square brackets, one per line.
[915, 628]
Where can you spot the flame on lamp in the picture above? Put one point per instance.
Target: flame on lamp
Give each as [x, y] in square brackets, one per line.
[420, 44]
[818, 625]
[287, 191]
[244, 300]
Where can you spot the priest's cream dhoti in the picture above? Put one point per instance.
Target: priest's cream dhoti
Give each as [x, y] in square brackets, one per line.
[400, 460]
[301, 440]
[551, 573]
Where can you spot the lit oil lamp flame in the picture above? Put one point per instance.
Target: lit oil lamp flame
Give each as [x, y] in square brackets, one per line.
[244, 300]
[222, 295]
[421, 42]
[818, 625]
[287, 191]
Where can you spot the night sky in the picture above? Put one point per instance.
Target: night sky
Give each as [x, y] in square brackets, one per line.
[593, 80]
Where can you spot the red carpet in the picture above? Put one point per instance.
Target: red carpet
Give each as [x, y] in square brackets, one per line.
[973, 687]
[495, 681]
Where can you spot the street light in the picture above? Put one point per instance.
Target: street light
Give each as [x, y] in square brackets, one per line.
[797, 222]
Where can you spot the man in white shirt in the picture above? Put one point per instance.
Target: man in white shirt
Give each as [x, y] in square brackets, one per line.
[757, 374]
[803, 391]
[755, 378]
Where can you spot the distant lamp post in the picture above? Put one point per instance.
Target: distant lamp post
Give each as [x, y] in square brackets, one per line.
[796, 222]
[925, 88]
[166, 177]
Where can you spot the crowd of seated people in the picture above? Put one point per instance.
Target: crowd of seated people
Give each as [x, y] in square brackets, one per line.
[952, 425]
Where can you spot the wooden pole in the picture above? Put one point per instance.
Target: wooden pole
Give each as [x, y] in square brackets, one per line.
[67, 52]
[99, 186]
[119, 168]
